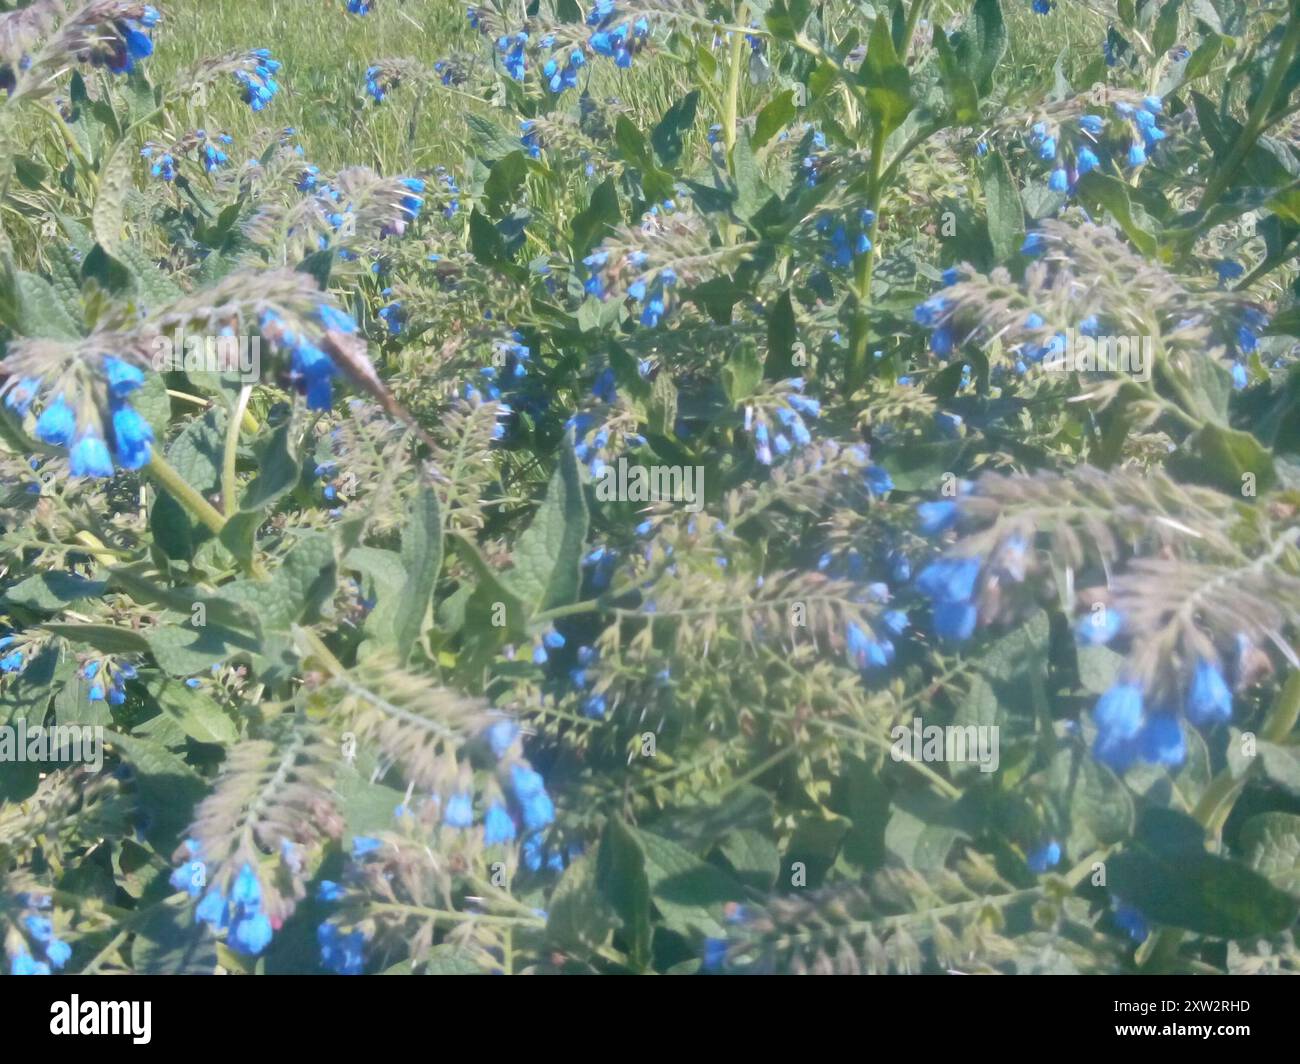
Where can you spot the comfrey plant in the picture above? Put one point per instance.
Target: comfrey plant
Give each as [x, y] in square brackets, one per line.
[514, 536]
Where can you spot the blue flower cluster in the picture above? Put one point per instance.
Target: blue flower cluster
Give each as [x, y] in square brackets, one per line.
[81, 429]
[114, 674]
[511, 49]
[129, 41]
[239, 913]
[528, 138]
[259, 84]
[651, 289]
[310, 369]
[1128, 730]
[360, 7]
[790, 431]
[393, 314]
[562, 73]
[13, 658]
[848, 241]
[380, 82]
[39, 931]
[616, 40]
[211, 155]
[163, 165]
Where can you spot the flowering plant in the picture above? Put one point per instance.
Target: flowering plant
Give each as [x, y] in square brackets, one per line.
[631, 485]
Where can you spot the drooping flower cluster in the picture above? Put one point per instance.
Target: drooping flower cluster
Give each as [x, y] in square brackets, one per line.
[257, 79]
[1077, 146]
[124, 39]
[848, 240]
[236, 911]
[777, 428]
[311, 370]
[107, 678]
[93, 418]
[615, 36]
[210, 152]
[34, 937]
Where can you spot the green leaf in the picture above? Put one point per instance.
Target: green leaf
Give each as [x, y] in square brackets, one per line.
[1006, 216]
[1099, 189]
[52, 591]
[185, 650]
[111, 274]
[303, 581]
[958, 88]
[980, 43]
[666, 137]
[489, 139]
[504, 182]
[422, 561]
[1281, 765]
[196, 454]
[886, 80]
[782, 336]
[40, 311]
[194, 711]
[776, 114]
[548, 556]
[169, 941]
[104, 637]
[1200, 892]
[689, 893]
[1222, 457]
[592, 224]
[109, 213]
[742, 372]
[1271, 842]
[1098, 807]
[578, 916]
[622, 881]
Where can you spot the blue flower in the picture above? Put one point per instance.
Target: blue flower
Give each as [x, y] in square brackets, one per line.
[1132, 922]
[1161, 740]
[1099, 626]
[1118, 716]
[938, 516]
[1046, 856]
[1209, 700]
[949, 580]
[955, 621]
[250, 933]
[459, 812]
[56, 424]
[1034, 245]
[341, 953]
[501, 736]
[364, 844]
[329, 891]
[866, 652]
[22, 963]
[58, 953]
[132, 438]
[498, 825]
[247, 891]
[213, 910]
